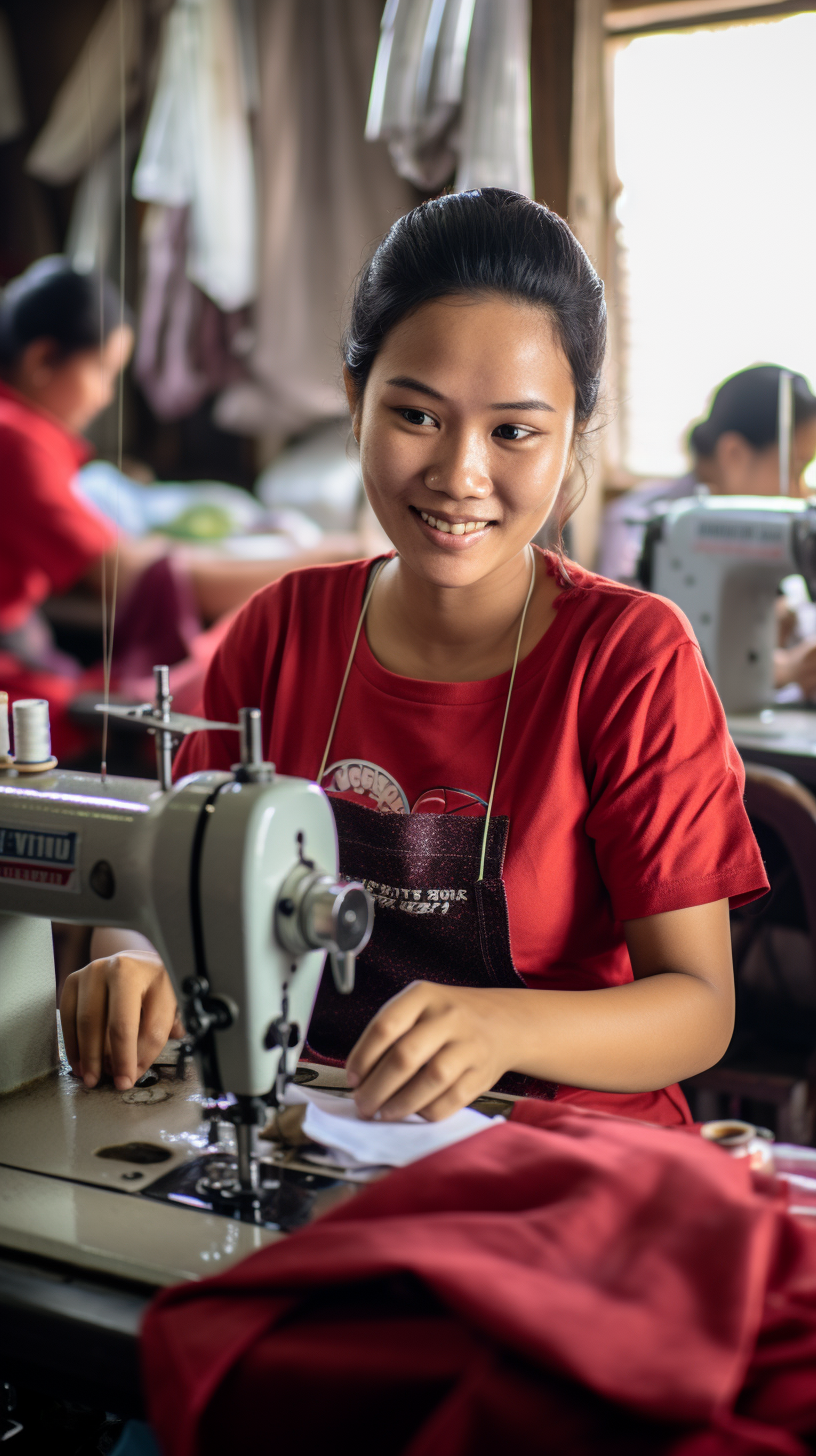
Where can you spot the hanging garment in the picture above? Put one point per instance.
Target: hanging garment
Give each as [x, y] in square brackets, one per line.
[328, 196]
[86, 112]
[451, 92]
[185, 349]
[589, 1285]
[197, 148]
[12, 115]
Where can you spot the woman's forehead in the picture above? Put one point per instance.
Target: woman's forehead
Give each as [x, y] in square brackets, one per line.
[499, 341]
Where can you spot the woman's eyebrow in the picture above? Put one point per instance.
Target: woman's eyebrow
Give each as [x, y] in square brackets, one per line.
[404, 381]
[526, 404]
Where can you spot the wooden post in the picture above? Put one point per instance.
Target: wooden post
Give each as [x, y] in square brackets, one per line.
[551, 69]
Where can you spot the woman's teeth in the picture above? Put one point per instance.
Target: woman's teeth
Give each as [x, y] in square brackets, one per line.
[457, 528]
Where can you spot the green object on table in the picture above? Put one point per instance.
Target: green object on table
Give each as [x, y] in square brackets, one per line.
[202, 522]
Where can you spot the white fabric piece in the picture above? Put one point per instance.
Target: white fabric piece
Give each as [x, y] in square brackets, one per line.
[12, 115]
[353, 1143]
[451, 90]
[86, 111]
[495, 142]
[197, 148]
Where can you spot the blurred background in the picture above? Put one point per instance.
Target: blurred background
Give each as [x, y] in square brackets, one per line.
[258, 167]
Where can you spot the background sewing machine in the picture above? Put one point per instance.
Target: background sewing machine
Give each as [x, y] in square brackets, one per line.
[105, 1195]
[721, 559]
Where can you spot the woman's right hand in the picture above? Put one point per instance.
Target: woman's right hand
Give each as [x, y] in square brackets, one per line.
[117, 1013]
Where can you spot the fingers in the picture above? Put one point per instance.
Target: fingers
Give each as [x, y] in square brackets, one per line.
[391, 1022]
[432, 1084]
[124, 1017]
[91, 1021]
[409, 1072]
[158, 1022]
[117, 1014]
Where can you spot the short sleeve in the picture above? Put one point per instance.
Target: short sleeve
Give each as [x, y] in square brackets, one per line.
[50, 536]
[666, 785]
[234, 680]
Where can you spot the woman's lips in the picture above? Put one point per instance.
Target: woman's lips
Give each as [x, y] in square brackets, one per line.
[456, 535]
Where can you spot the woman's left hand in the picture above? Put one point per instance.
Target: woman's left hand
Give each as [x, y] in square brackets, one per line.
[431, 1049]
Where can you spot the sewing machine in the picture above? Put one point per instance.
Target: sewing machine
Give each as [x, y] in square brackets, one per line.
[233, 878]
[721, 559]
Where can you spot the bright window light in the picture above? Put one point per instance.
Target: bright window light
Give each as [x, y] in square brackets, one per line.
[713, 136]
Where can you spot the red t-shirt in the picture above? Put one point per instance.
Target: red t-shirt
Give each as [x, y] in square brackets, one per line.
[621, 783]
[49, 536]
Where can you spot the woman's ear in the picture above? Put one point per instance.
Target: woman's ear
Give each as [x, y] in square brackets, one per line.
[354, 401]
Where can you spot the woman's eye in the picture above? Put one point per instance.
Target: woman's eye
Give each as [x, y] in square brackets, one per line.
[511, 432]
[416, 416]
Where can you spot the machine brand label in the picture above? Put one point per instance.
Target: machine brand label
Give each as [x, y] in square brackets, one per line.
[758, 539]
[42, 858]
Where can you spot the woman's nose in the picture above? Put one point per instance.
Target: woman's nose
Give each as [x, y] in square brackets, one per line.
[461, 470]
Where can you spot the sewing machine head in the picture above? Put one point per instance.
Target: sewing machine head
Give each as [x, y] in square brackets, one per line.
[232, 876]
[721, 559]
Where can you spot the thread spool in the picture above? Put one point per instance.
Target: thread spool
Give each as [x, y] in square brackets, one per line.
[6, 759]
[32, 736]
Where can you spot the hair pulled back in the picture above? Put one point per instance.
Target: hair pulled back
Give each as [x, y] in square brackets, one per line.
[53, 300]
[488, 241]
[748, 404]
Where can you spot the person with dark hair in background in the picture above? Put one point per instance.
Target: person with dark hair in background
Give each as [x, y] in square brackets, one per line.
[64, 338]
[735, 452]
[529, 766]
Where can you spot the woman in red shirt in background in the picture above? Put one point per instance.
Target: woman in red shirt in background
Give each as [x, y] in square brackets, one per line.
[528, 764]
[62, 346]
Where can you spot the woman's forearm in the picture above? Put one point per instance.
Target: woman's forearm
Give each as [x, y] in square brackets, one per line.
[631, 1038]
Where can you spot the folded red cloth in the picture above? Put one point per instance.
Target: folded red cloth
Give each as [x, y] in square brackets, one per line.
[588, 1284]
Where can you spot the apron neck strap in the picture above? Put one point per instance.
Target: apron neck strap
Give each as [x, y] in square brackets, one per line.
[489, 809]
[359, 628]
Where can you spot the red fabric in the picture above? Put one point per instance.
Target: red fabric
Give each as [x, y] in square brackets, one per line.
[623, 788]
[49, 537]
[592, 1284]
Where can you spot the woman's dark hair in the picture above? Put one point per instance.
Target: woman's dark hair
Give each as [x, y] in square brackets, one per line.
[53, 300]
[490, 241]
[748, 405]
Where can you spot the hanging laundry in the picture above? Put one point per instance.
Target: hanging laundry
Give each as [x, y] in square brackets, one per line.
[328, 196]
[197, 148]
[186, 348]
[86, 112]
[12, 115]
[451, 92]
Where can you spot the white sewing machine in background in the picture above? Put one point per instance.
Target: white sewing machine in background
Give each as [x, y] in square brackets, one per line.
[721, 559]
[233, 877]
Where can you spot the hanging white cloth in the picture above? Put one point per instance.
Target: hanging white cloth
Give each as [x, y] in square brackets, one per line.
[86, 111]
[197, 148]
[451, 92]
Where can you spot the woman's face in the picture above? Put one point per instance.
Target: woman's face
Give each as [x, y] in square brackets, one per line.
[78, 388]
[465, 429]
[741, 469]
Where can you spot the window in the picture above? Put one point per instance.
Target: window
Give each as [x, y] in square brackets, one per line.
[714, 139]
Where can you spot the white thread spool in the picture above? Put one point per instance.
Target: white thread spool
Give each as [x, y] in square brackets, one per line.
[5, 745]
[32, 735]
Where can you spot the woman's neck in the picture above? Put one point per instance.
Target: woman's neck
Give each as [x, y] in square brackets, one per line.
[457, 634]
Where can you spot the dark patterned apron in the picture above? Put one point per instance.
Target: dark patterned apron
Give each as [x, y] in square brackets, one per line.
[441, 903]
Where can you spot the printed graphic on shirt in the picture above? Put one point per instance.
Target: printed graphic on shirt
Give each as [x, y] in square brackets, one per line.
[357, 779]
[40, 857]
[415, 902]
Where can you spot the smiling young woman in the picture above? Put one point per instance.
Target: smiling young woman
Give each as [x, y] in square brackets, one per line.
[528, 764]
